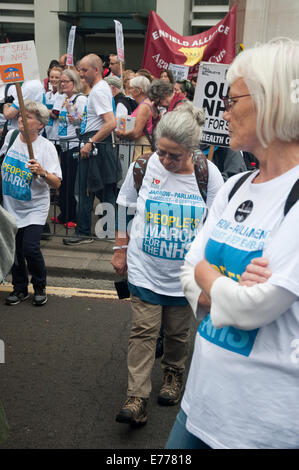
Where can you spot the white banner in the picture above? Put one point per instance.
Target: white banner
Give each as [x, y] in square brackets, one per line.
[180, 72]
[119, 40]
[18, 62]
[70, 46]
[210, 90]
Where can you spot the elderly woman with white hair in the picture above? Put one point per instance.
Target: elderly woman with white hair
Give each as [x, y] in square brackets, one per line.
[26, 195]
[242, 389]
[143, 128]
[171, 199]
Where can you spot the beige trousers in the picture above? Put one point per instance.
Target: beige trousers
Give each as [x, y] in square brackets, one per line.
[146, 322]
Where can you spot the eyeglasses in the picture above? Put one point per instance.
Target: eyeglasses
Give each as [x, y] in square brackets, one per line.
[229, 101]
[65, 81]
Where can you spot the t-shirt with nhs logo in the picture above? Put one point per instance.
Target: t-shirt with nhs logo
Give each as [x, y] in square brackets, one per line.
[170, 212]
[242, 389]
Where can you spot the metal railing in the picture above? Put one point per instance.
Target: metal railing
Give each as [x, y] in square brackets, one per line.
[78, 194]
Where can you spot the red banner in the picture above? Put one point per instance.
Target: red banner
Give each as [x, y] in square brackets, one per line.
[164, 46]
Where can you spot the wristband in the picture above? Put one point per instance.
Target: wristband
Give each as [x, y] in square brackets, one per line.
[45, 175]
[91, 142]
[120, 247]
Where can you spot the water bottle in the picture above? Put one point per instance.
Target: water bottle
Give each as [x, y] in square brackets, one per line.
[72, 110]
[93, 153]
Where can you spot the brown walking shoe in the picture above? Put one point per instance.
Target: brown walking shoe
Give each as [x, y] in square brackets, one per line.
[172, 388]
[133, 411]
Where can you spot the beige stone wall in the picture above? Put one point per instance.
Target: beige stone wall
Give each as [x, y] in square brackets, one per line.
[176, 14]
[50, 33]
[267, 19]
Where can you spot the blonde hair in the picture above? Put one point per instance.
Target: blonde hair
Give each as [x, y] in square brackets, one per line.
[271, 73]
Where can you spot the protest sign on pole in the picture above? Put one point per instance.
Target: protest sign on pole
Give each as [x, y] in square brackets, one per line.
[164, 46]
[119, 40]
[70, 47]
[210, 90]
[18, 62]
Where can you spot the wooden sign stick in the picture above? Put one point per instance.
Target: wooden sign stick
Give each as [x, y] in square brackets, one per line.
[24, 118]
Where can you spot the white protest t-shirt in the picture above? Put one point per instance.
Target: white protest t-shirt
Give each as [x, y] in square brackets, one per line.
[242, 388]
[27, 198]
[31, 90]
[67, 130]
[170, 212]
[99, 102]
[52, 127]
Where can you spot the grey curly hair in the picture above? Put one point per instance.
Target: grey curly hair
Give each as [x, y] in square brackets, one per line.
[183, 126]
[40, 111]
[159, 90]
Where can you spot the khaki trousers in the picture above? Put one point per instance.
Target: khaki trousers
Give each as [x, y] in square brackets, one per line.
[146, 322]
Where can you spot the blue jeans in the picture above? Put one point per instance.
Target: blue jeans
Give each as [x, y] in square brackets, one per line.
[180, 438]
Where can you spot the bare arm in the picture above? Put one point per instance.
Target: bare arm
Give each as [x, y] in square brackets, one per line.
[143, 115]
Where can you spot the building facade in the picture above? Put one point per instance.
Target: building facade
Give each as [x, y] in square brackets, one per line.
[48, 23]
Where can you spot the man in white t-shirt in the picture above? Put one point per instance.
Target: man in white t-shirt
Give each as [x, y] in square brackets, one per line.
[98, 170]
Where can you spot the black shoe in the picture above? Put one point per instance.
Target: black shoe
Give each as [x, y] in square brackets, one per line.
[77, 240]
[39, 297]
[15, 297]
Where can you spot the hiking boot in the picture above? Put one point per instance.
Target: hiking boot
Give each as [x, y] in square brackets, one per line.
[15, 297]
[133, 411]
[39, 297]
[172, 388]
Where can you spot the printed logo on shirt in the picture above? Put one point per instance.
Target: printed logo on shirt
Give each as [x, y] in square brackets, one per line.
[232, 339]
[16, 178]
[84, 121]
[243, 211]
[230, 250]
[155, 183]
[63, 124]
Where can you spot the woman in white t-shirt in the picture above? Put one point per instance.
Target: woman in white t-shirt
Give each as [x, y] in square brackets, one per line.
[52, 95]
[171, 206]
[26, 195]
[69, 110]
[242, 388]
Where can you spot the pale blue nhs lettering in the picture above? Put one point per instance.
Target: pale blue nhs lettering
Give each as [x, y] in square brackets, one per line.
[232, 339]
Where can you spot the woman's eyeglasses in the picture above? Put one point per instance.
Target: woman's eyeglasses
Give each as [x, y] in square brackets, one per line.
[229, 101]
[65, 81]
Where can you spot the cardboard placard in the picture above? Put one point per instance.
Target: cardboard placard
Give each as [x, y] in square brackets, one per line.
[210, 90]
[18, 62]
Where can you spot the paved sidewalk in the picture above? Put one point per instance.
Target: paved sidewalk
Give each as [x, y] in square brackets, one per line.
[87, 260]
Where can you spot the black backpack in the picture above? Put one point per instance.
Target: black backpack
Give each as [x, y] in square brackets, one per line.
[129, 103]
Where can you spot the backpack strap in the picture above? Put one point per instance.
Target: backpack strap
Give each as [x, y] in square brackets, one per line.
[201, 171]
[292, 198]
[13, 137]
[238, 184]
[77, 96]
[139, 170]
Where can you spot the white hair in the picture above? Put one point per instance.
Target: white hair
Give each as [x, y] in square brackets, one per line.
[141, 82]
[271, 73]
[40, 111]
[183, 126]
